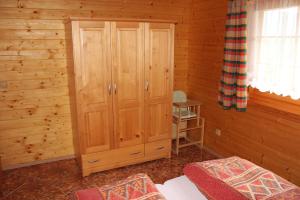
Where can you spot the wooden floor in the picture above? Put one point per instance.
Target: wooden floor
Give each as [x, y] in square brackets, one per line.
[58, 180]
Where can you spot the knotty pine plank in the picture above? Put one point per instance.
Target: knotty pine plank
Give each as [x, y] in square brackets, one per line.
[34, 112]
[18, 45]
[36, 84]
[33, 65]
[32, 34]
[31, 75]
[33, 54]
[26, 131]
[49, 120]
[30, 24]
[37, 93]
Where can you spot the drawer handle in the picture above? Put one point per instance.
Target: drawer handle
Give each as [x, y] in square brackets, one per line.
[136, 153]
[93, 161]
[160, 148]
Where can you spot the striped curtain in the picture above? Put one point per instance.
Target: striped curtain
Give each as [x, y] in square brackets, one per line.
[233, 86]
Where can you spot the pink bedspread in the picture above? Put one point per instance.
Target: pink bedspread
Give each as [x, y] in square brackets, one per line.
[139, 187]
[238, 179]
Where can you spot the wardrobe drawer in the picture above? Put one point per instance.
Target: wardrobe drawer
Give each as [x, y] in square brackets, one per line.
[158, 148]
[112, 156]
[128, 153]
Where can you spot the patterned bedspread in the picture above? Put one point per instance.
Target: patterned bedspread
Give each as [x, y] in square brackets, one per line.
[232, 175]
[138, 187]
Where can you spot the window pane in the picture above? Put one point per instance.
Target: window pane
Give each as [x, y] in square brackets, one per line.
[274, 51]
[280, 22]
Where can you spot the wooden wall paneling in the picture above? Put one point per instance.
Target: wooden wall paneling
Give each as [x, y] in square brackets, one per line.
[72, 90]
[263, 135]
[30, 24]
[34, 112]
[19, 45]
[32, 34]
[18, 132]
[37, 84]
[16, 75]
[108, 6]
[35, 63]
[32, 102]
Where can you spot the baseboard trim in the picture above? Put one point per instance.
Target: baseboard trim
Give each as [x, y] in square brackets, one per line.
[212, 152]
[37, 162]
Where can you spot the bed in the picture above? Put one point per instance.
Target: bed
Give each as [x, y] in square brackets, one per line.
[180, 188]
[222, 179]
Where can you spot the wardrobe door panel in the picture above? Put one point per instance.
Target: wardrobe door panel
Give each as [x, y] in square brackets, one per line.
[158, 121]
[158, 76]
[129, 127]
[128, 76]
[96, 122]
[93, 85]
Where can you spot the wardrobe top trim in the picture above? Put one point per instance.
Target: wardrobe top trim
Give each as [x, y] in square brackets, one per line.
[120, 19]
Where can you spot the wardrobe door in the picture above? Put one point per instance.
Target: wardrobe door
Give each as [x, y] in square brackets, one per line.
[128, 79]
[92, 57]
[159, 80]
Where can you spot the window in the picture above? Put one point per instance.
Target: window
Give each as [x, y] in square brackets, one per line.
[274, 47]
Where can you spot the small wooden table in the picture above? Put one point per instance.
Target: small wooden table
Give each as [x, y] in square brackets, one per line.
[184, 112]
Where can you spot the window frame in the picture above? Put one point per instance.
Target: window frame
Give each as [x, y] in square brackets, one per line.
[278, 102]
[271, 100]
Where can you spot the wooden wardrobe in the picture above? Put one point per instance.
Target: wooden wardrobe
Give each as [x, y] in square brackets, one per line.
[121, 91]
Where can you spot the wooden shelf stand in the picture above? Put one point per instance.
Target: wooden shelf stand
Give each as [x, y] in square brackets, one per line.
[184, 112]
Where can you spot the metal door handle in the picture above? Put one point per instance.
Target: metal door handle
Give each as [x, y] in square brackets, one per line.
[160, 148]
[147, 85]
[109, 89]
[136, 153]
[115, 88]
[93, 161]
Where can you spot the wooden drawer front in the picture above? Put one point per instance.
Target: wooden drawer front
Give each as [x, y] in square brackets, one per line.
[158, 147]
[125, 154]
[112, 156]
